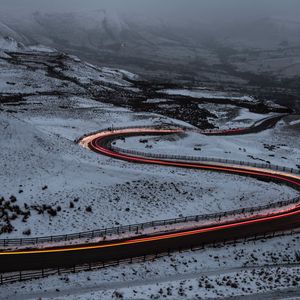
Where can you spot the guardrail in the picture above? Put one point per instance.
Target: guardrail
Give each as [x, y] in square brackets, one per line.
[206, 159]
[182, 157]
[113, 128]
[140, 226]
[6, 278]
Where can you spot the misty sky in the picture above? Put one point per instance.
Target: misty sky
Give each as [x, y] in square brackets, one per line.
[182, 9]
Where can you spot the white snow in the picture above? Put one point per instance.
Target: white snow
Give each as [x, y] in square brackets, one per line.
[157, 100]
[200, 93]
[9, 44]
[273, 146]
[128, 75]
[263, 266]
[295, 122]
[42, 48]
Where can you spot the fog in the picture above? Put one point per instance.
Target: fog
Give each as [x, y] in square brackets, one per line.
[172, 10]
[173, 37]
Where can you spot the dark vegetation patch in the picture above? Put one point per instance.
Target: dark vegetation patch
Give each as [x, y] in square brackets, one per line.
[11, 99]
[10, 211]
[183, 108]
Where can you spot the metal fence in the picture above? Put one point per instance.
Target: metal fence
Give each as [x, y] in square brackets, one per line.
[135, 228]
[113, 128]
[206, 159]
[185, 157]
[6, 278]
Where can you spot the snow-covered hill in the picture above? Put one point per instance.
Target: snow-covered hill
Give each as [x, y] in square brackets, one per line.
[10, 44]
[6, 31]
[10, 40]
[100, 28]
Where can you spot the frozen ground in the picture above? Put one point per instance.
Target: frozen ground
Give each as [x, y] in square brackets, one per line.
[231, 116]
[206, 93]
[262, 267]
[279, 146]
[45, 107]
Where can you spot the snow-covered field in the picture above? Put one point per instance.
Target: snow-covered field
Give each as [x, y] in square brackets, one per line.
[230, 116]
[279, 146]
[261, 267]
[42, 165]
[206, 93]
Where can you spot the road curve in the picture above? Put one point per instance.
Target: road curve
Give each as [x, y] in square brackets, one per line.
[65, 256]
[260, 125]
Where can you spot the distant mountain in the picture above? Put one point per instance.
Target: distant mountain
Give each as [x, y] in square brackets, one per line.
[94, 30]
[107, 30]
[157, 48]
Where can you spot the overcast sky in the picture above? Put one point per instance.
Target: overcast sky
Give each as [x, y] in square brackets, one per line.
[211, 9]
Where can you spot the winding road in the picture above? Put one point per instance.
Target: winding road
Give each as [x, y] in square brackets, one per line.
[279, 219]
